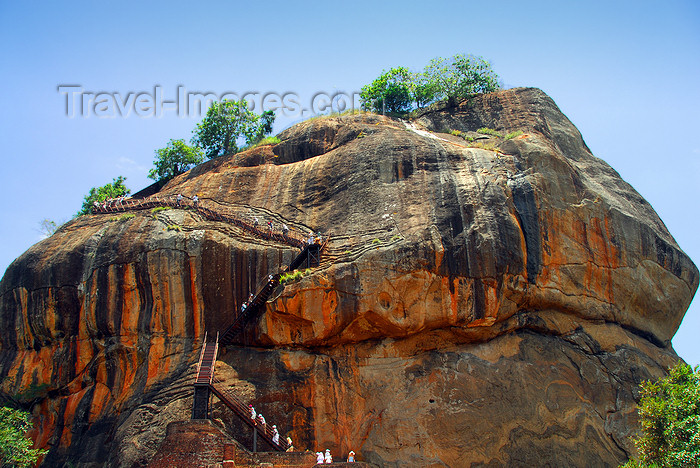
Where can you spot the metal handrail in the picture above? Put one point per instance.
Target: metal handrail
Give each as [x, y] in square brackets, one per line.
[243, 412]
[201, 353]
[292, 237]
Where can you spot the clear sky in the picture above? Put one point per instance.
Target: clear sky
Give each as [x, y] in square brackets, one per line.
[627, 73]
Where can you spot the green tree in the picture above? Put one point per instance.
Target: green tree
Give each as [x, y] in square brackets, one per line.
[390, 92]
[460, 77]
[669, 413]
[228, 121]
[455, 78]
[175, 159]
[15, 447]
[115, 189]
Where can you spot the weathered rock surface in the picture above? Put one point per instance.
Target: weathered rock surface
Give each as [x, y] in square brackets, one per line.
[474, 307]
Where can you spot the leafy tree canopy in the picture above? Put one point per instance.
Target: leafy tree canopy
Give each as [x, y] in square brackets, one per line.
[176, 158]
[228, 121]
[115, 189]
[391, 92]
[15, 447]
[669, 414]
[458, 77]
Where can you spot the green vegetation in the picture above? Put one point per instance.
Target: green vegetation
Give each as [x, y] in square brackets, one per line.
[294, 275]
[115, 189]
[271, 140]
[669, 413]
[227, 121]
[174, 227]
[489, 131]
[376, 241]
[175, 159]
[124, 217]
[458, 77]
[15, 447]
[391, 92]
[398, 90]
[158, 209]
[489, 144]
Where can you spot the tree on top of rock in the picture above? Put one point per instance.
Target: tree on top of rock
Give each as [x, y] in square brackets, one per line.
[458, 77]
[228, 121]
[390, 92]
[175, 159]
[115, 189]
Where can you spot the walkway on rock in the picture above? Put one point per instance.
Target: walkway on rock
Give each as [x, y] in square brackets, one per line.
[309, 256]
[206, 383]
[208, 210]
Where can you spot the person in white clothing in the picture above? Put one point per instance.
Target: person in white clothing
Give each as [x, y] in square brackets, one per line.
[319, 458]
[275, 435]
[328, 457]
[351, 457]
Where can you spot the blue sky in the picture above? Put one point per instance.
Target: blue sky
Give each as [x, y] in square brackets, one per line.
[626, 74]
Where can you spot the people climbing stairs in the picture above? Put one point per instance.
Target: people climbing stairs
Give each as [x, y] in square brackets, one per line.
[250, 309]
[267, 431]
[309, 257]
[208, 210]
[206, 384]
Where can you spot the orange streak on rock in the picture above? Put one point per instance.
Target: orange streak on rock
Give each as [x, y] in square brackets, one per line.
[131, 306]
[454, 298]
[44, 424]
[100, 399]
[69, 415]
[155, 354]
[195, 299]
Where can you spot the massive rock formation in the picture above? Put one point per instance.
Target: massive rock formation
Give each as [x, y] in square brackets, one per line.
[482, 301]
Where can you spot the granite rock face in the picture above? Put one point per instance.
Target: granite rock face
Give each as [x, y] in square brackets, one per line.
[493, 302]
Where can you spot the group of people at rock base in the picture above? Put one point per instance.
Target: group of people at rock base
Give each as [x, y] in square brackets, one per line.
[322, 458]
[259, 420]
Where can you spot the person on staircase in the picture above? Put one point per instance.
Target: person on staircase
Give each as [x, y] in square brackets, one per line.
[285, 230]
[275, 435]
[290, 445]
[178, 200]
[252, 413]
[195, 201]
[261, 421]
[328, 458]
